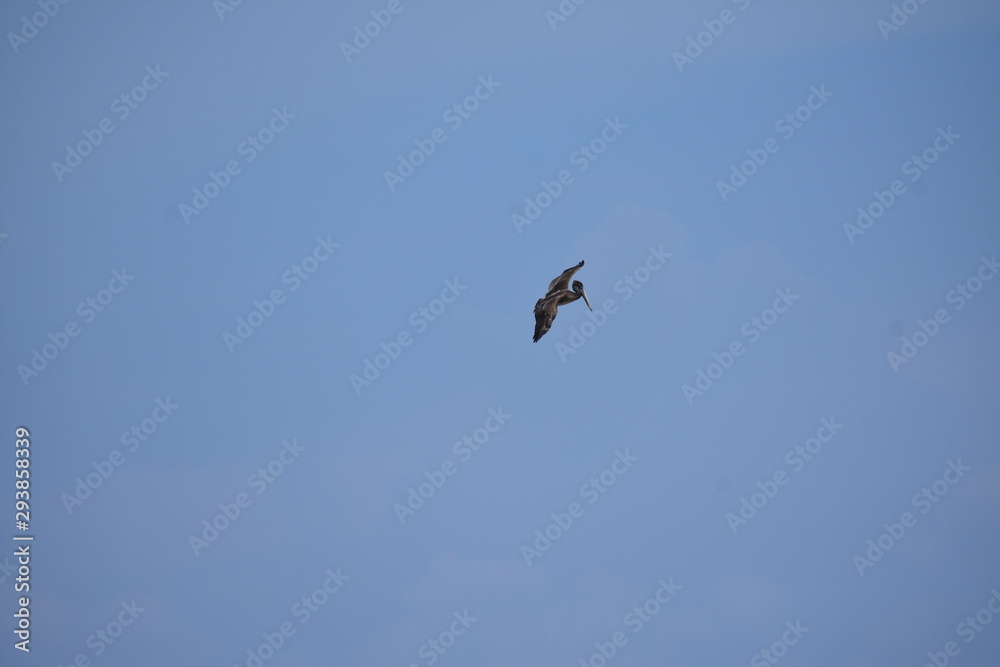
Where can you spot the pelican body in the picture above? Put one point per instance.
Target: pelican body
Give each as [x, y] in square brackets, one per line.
[558, 294]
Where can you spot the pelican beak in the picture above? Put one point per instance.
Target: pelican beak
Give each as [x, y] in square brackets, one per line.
[585, 299]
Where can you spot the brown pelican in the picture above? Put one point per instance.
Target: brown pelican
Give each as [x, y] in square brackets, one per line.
[559, 294]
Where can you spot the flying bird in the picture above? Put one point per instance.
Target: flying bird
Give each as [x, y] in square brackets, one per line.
[558, 294]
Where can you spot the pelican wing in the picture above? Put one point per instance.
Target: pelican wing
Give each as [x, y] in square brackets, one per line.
[545, 314]
[562, 282]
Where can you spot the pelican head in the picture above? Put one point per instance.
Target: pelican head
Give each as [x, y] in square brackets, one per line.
[578, 288]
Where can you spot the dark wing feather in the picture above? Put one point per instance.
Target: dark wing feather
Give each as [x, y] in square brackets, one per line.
[562, 282]
[545, 314]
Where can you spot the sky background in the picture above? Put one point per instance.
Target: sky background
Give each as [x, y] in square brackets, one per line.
[570, 413]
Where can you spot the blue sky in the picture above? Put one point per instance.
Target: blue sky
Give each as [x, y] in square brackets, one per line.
[806, 409]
